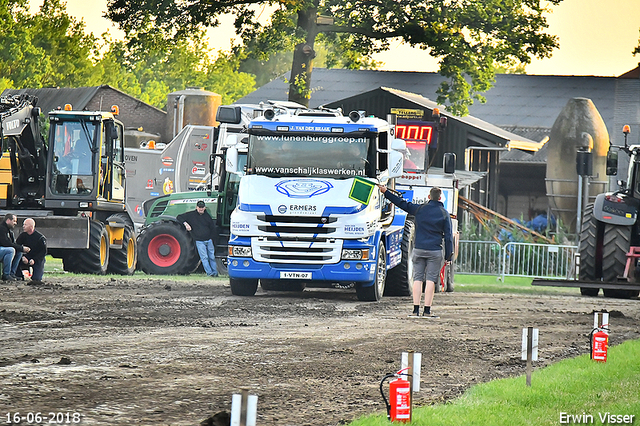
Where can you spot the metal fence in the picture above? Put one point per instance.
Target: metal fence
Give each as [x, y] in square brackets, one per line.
[479, 257]
[516, 259]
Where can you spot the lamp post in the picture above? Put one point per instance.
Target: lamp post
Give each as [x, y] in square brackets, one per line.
[584, 168]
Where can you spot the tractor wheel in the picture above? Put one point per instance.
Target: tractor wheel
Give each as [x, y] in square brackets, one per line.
[400, 279]
[123, 261]
[590, 250]
[95, 259]
[243, 286]
[449, 274]
[620, 294]
[283, 285]
[374, 291]
[166, 248]
[615, 245]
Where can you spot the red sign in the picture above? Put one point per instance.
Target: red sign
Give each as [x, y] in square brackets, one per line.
[167, 161]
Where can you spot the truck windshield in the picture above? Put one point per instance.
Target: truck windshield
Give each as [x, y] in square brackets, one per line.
[308, 155]
[72, 144]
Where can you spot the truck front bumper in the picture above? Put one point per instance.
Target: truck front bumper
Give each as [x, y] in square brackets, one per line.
[345, 270]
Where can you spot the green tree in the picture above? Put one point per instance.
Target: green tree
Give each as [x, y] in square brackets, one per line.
[147, 66]
[467, 37]
[47, 49]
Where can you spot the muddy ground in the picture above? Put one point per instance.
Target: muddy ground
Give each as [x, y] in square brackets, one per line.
[154, 351]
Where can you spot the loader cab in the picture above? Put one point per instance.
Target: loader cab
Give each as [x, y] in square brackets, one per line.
[86, 161]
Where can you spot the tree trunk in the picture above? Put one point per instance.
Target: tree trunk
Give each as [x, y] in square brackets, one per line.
[300, 81]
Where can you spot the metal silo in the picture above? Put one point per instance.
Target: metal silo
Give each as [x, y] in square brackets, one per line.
[579, 126]
[193, 105]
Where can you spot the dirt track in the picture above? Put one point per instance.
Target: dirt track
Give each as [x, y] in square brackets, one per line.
[154, 351]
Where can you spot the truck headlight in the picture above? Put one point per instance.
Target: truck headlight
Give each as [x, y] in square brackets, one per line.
[355, 254]
[239, 251]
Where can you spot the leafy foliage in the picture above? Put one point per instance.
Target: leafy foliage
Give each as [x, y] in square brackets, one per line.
[51, 49]
[468, 37]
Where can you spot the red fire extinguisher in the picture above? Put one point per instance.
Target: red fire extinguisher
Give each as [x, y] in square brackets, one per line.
[399, 405]
[599, 345]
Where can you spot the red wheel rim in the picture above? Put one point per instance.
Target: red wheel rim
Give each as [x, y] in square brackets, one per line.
[164, 250]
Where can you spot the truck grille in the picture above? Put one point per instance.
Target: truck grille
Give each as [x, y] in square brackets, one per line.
[288, 239]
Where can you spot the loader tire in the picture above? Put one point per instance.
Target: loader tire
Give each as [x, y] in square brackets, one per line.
[95, 259]
[123, 261]
[400, 278]
[166, 248]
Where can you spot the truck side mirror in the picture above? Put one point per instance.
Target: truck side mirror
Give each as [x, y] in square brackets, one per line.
[229, 114]
[398, 145]
[449, 163]
[231, 161]
[396, 159]
[612, 163]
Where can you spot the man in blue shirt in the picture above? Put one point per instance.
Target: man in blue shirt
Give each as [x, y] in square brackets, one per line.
[433, 224]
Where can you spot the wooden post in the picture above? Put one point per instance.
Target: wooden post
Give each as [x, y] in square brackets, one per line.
[529, 354]
[243, 409]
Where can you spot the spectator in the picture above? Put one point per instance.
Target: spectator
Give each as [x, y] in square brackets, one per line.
[9, 250]
[35, 258]
[433, 224]
[203, 230]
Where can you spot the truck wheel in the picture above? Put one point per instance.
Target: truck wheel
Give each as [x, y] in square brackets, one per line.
[615, 245]
[590, 250]
[166, 248]
[374, 291]
[591, 292]
[243, 286]
[123, 261]
[283, 285]
[400, 279]
[95, 259]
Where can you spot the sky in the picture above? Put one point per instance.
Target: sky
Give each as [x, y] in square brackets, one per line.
[596, 38]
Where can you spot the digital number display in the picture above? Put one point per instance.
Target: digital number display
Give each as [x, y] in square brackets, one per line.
[414, 130]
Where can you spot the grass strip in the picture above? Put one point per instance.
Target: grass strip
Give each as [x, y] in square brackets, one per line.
[580, 387]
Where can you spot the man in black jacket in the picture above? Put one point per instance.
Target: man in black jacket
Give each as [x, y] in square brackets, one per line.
[35, 258]
[203, 230]
[10, 252]
[433, 224]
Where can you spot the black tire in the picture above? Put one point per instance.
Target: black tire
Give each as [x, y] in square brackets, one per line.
[166, 248]
[620, 294]
[400, 278]
[615, 245]
[70, 262]
[243, 286]
[283, 285]
[590, 247]
[591, 292]
[375, 290]
[95, 259]
[123, 261]
[449, 275]
[221, 264]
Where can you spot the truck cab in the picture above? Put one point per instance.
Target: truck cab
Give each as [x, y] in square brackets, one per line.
[309, 211]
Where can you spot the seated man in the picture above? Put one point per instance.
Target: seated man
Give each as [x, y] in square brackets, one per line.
[35, 258]
[10, 251]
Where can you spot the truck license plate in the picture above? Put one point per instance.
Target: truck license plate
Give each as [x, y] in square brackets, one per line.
[295, 275]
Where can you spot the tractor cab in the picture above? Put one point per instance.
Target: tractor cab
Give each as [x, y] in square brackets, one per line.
[86, 168]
